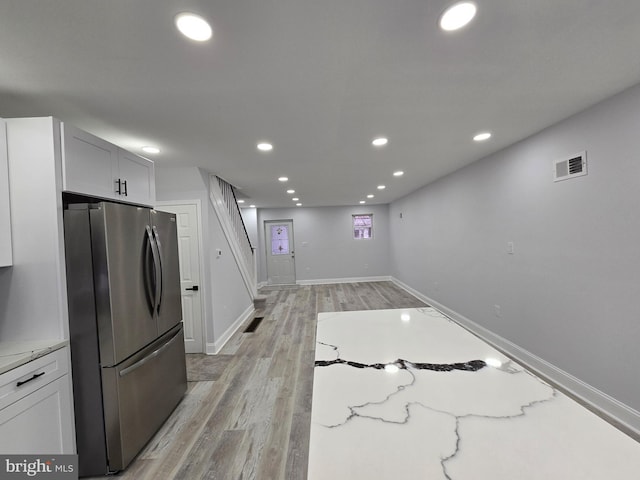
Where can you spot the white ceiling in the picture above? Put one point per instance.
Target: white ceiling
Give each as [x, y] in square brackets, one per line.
[317, 78]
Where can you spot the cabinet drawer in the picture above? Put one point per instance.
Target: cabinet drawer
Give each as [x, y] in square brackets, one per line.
[27, 378]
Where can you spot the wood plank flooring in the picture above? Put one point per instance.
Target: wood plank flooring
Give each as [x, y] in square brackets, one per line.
[247, 411]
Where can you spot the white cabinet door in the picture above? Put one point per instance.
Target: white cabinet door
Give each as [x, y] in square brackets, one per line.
[39, 423]
[89, 164]
[6, 257]
[137, 179]
[94, 167]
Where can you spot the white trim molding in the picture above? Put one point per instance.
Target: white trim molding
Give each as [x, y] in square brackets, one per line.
[342, 280]
[622, 416]
[215, 347]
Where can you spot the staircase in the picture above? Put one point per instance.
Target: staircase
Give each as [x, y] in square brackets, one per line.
[224, 202]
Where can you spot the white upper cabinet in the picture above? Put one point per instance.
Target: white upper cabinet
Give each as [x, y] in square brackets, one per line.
[137, 178]
[89, 164]
[5, 213]
[92, 166]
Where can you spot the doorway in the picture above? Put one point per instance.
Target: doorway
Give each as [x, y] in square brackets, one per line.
[281, 268]
[189, 241]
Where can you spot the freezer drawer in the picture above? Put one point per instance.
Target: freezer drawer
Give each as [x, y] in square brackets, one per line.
[139, 395]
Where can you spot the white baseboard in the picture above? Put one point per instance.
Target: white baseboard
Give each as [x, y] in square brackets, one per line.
[627, 418]
[215, 347]
[344, 280]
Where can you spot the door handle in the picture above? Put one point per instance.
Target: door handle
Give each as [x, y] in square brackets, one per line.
[194, 288]
[157, 267]
[152, 355]
[159, 272]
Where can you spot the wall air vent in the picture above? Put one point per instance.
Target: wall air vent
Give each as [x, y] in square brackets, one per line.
[574, 166]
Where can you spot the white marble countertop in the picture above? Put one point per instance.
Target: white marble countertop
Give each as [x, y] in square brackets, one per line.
[409, 394]
[14, 354]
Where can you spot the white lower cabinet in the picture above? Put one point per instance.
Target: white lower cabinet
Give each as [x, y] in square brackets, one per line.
[37, 418]
[39, 423]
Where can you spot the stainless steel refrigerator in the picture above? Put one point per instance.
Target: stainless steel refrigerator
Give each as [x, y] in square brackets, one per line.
[127, 343]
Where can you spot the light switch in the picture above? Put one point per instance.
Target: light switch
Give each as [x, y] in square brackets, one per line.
[510, 248]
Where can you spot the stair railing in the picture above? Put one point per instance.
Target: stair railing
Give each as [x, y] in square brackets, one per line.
[224, 201]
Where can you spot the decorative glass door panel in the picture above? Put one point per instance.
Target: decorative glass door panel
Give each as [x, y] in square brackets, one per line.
[279, 240]
[280, 248]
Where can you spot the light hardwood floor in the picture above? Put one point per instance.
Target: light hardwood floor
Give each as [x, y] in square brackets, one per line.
[247, 414]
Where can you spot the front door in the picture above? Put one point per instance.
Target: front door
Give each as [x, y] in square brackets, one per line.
[281, 268]
[189, 253]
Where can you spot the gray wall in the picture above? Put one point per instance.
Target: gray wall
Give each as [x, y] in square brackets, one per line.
[250, 219]
[324, 243]
[224, 293]
[570, 293]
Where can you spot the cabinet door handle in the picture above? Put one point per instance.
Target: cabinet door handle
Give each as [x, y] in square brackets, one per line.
[124, 182]
[35, 375]
[118, 187]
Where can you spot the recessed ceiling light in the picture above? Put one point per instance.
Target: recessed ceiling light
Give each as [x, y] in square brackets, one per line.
[240, 201]
[150, 149]
[481, 137]
[265, 147]
[370, 196]
[381, 187]
[405, 316]
[362, 201]
[252, 206]
[194, 27]
[298, 204]
[399, 173]
[457, 16]
[295, 199]
[380, 142]
[284, 179]
[291, 191]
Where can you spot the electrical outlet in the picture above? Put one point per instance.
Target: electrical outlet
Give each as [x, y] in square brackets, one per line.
[498, 310]
[510, 248]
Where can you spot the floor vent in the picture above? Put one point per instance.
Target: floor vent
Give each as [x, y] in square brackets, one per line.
[574, 166]
[253, 325]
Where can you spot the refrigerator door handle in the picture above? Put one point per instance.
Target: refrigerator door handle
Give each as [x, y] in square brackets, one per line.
[149, 280]
[152, 355]
[159, 272]
[157, 269]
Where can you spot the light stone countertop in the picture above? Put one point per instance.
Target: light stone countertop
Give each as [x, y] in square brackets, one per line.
[15, 354]
[409, 393]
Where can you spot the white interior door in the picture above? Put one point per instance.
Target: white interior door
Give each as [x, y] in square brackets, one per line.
[281, 268]
[189, 252]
